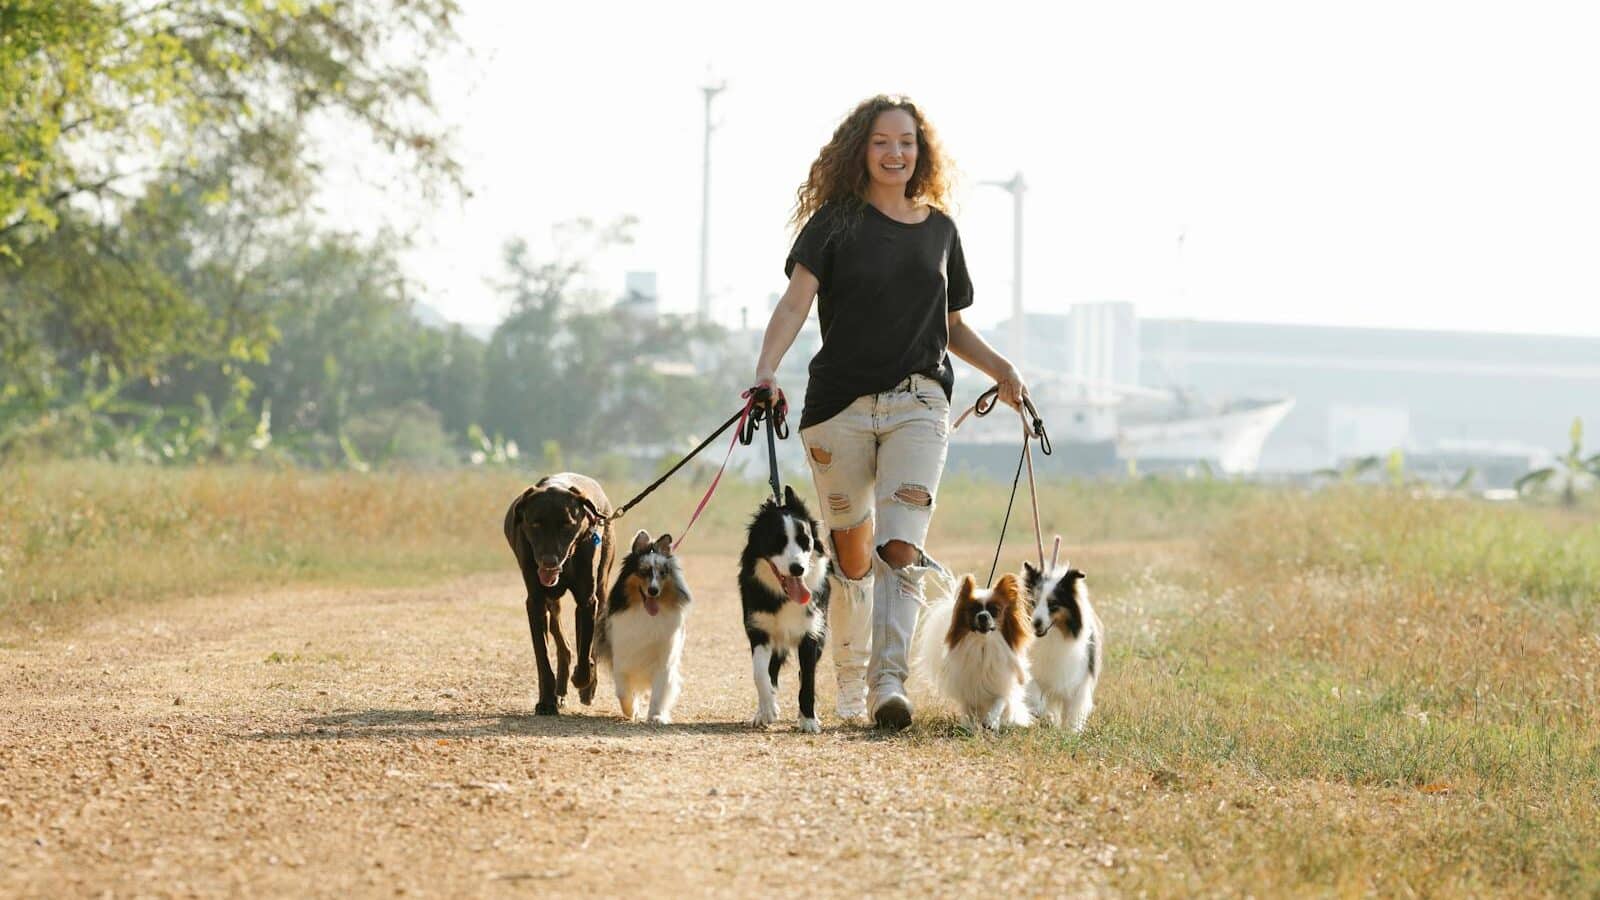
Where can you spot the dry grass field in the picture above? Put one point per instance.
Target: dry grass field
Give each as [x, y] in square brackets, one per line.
[237, 681]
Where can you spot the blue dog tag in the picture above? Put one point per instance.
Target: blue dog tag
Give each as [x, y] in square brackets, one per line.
[594, 538]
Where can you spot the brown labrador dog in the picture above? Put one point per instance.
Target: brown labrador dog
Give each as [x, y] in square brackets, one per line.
[560, 530]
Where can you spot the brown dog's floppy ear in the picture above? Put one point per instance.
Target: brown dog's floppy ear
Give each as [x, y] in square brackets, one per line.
[586, 503]
[641, 540]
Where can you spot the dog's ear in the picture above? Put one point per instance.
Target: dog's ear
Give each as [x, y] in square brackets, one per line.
[641, 540]
[664, 544]
[964, 593]
[1075, 575]
[1030, 576]
[1008, 588]
[586, 504]
[789, 499]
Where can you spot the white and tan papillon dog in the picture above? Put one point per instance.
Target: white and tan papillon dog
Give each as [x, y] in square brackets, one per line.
[972, 647]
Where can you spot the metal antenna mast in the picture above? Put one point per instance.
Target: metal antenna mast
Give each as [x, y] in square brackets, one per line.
[1016, 186]
[710, 89]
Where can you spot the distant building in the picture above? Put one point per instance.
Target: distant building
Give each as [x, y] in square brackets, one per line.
[1436, 395]
[639, 298]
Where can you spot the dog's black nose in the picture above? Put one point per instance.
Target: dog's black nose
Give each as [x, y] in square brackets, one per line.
[796, 569]
[653, 591]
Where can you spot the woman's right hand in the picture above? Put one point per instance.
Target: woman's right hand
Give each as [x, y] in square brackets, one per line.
[769, 380]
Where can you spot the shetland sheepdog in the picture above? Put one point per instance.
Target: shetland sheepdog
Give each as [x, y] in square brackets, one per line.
[783, 593]
[972, 648]
[641, 639]
[1065, 659]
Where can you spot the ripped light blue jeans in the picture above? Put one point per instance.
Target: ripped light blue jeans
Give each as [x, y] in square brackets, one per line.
[880, 460]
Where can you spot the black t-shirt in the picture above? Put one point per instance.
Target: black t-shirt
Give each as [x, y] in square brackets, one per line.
[886, 289]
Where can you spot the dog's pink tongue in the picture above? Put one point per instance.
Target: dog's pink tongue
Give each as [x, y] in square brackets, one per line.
[651, 606]
[549, 577]
[795, 588]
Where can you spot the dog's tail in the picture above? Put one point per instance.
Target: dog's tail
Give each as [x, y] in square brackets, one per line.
[602, 635]
[928, 649]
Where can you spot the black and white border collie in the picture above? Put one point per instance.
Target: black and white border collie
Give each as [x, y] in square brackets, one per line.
[1065, 659]
[783, 589]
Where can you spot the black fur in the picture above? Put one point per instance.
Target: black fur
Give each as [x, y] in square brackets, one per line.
[766, 537]
[551, 523]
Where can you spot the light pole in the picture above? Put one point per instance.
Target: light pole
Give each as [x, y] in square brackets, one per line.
[711, 90]
[1016, 186]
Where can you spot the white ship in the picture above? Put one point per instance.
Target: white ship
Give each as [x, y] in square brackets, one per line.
[1100, 419]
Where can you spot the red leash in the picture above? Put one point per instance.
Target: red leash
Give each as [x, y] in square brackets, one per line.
[744, 415]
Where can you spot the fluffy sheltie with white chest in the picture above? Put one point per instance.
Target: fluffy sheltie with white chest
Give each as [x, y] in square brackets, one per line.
[641, 640]
[1065, 659]
[783, 593]
[972, 647]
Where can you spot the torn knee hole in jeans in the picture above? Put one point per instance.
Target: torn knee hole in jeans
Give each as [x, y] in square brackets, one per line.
[839, 503]
[821, 456]
[913, 495]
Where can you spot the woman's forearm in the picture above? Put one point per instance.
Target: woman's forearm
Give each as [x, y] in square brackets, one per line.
[787, 320]
[969, 346]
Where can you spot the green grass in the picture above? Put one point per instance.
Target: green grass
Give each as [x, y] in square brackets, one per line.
[1346, 692]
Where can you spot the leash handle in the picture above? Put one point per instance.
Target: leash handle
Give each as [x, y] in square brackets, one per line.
[776, 415]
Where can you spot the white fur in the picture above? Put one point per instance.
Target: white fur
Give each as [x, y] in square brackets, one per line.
[645, 652]
[1062, 689]
[982, 675]
[766, 697]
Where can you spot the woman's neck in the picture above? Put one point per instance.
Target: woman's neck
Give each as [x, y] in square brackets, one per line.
[890, 199]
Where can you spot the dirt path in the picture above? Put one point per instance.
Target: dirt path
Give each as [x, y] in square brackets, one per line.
[380, 741]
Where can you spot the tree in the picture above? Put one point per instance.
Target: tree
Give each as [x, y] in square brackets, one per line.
[565, 367]
[97, 97]
[1571, 468]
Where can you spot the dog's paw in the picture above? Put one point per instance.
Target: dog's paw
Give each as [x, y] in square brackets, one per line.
[661, 719]
[765, 715]
[586, 693]
[546, 709]
[809, 726]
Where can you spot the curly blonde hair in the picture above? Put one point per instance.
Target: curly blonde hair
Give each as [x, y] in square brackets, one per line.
[839, 172]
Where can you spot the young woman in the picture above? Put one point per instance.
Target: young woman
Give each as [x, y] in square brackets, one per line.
[884, 262]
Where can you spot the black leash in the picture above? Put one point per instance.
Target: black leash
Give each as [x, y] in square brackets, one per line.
[681, 463]
[1031, 431]
[758, 407]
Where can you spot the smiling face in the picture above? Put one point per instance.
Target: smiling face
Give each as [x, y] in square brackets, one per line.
[892, 149]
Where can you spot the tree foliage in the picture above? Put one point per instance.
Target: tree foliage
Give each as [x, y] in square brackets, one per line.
[98, 97]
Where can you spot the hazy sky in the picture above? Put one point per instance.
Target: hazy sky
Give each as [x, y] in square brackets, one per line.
[1405, 164]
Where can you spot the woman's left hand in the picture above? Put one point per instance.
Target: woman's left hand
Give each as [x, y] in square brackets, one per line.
[1012, 390]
